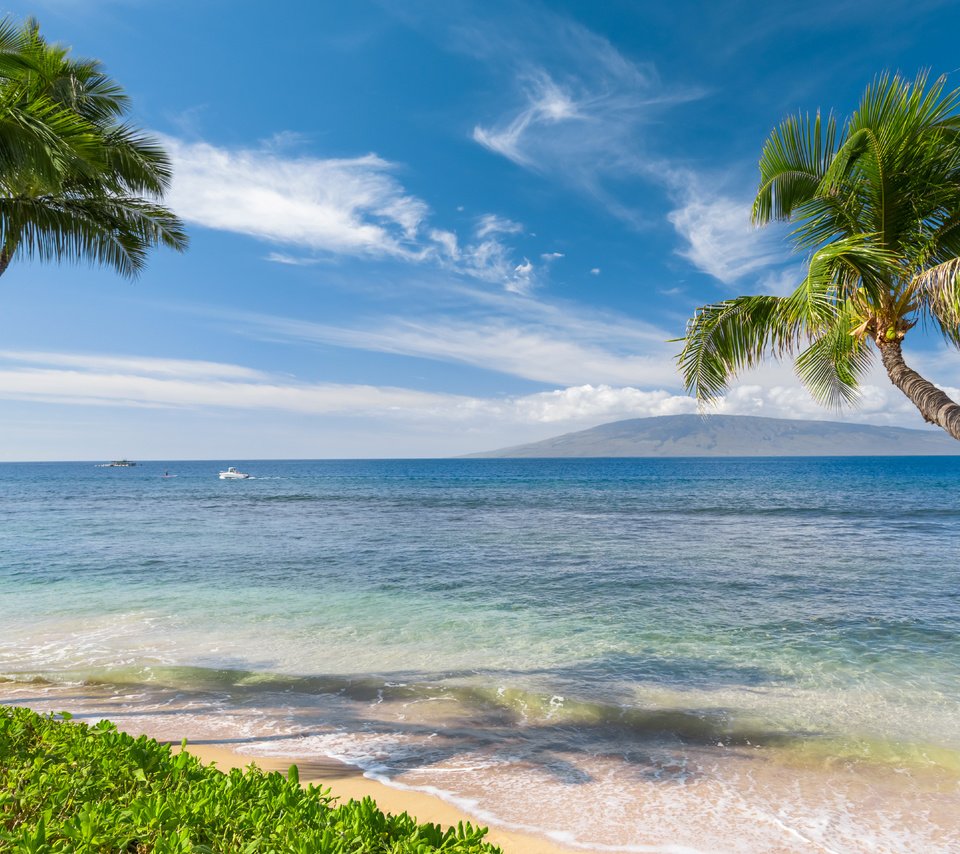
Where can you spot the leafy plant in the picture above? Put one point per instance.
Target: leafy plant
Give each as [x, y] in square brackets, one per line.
[70, 787]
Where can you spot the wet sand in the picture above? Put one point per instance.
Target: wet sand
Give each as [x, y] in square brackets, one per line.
[735, 798]
[347, 782]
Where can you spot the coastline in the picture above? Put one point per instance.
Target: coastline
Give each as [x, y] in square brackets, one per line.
[750, 801]
[345, 781]
[348, 782]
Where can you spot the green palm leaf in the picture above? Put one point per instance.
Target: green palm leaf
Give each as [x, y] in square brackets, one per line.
[76, 182]
[831, 367]
[728, 337]
[876, 209]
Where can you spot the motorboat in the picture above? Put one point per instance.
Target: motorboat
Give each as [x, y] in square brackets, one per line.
[232, 474]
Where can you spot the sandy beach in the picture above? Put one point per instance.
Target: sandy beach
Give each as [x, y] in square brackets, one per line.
[345, 781]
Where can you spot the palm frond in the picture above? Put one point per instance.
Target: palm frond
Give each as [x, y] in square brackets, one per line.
[728, 337]
[938, 289]
[112, 232]
[831, 367]
[38, 136]
[792, 164]
[75, 181]
[136, 162]
[854, 265]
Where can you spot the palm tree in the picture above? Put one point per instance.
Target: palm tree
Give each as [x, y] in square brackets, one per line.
[877, 210]
[75, 181]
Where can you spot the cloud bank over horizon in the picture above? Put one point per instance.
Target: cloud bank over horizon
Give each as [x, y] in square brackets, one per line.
[191, 388]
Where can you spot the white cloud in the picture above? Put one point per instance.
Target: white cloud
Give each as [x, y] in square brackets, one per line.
[577, 107]
[554, 350]
[720, 239]
[138, 381]
[181, 368]
[489, 259]
[448, 242]
[492, 224]
[595, 271]
[522, 277]
[193, 405]
[598, 403]
[291, 260]
[547, 104]
[343, 205]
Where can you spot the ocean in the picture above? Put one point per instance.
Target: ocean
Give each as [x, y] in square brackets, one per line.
[710, 655]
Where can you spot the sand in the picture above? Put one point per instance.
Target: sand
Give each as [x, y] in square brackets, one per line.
[347, 782]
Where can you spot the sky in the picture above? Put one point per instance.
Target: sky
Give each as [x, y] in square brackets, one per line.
[422, 229]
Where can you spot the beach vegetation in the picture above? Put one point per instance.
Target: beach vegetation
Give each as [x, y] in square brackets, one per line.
[875, 202]
[77, 180]
[67, 786]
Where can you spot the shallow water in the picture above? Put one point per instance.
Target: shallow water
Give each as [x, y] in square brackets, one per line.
[714, 655]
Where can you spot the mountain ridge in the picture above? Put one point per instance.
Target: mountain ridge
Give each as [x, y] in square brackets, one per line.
[733, 436]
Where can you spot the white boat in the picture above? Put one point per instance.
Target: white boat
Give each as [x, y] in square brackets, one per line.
[232, 474]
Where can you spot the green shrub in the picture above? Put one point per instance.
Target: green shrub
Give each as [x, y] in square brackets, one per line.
[67, 786]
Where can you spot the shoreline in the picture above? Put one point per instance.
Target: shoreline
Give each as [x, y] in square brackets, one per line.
[348, 782]
[685, 811]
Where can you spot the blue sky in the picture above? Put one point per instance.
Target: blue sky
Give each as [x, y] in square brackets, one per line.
[422, 229]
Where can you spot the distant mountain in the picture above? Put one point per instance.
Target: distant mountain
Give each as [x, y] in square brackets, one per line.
[735, 436]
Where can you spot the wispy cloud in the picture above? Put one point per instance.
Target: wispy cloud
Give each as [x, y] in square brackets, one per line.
[343, 205]
[719, 239]
[488, 258]
[490, 224]
[519, 136]
[138, 381]
[291, 260]
[542, 353]
[576, 108]
[585, 128]
[580, 113]
[83, 380]
[354, 206]
[180, 368]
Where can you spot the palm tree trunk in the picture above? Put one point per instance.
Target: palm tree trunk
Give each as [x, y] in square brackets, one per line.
[934, 405]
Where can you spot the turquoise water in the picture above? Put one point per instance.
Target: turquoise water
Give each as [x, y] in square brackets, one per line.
[522, 634]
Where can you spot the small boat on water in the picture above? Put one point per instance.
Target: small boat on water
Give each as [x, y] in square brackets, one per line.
[232, 474]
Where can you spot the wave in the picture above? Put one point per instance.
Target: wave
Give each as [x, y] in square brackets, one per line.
[481, 709]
